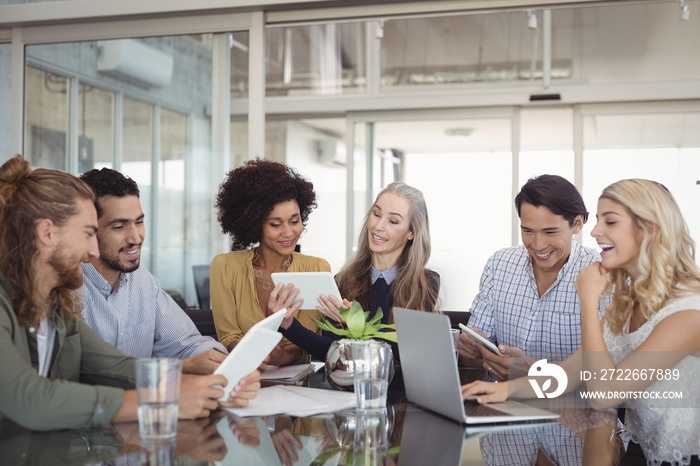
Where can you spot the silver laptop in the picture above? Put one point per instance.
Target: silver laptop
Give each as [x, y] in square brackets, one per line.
[431, 377]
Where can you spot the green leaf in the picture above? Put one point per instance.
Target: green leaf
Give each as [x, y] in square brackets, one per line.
[377, 317]
[388, 336]
[356, 320]
[357, 325]
[331, 328]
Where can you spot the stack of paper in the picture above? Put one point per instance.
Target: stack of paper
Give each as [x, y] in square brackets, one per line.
[295, 401]
[287, 374]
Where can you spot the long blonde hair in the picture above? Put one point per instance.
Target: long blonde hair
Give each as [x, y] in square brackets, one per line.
[411, 289]
[667, 253]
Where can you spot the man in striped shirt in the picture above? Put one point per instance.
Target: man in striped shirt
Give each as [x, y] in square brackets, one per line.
[124, 303]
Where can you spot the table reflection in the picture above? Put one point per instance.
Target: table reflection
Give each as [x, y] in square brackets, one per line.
[401, 435]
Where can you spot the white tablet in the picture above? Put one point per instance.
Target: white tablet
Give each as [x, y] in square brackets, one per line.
[247, 356]
[271, 322]
[488, 344]
[311, 285]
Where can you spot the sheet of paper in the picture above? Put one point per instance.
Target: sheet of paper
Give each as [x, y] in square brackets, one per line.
[318, 365]
[287, 373]
[295, 401]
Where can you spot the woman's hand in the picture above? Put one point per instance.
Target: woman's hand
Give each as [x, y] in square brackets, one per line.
[284, 296]
[485, 392]
[591, 283]
[286, 443]
[330, 307]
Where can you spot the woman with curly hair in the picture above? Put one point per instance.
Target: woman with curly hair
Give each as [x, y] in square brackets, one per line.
[387, 270]
[647, 343]
[263, 206]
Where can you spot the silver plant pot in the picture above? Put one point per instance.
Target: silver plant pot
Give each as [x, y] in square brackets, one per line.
[340, 367]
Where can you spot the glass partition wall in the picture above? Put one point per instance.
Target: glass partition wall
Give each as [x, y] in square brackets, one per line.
[5, 96]
[141, 106]
[465, 106]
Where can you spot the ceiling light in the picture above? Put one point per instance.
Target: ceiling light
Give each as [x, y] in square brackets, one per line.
[459, 132]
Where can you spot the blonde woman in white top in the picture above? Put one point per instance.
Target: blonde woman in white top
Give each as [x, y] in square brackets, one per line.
[647, 344]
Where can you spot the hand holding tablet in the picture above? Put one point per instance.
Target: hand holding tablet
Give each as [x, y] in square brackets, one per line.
[489, 345]
[250, 352]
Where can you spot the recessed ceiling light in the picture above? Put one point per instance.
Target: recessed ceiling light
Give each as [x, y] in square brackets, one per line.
[461, 132]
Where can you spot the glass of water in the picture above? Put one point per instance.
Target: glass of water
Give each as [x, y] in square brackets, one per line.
[158, 390]
[372, 363]
[455, 341]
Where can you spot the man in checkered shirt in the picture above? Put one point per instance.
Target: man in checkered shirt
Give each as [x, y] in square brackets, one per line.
[527, 302]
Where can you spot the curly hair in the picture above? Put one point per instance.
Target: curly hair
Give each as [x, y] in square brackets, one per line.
[26, 197]
[251, 191]
[108, 182]
[667, 265]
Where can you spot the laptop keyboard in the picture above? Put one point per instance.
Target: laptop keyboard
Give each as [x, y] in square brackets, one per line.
[472, 408]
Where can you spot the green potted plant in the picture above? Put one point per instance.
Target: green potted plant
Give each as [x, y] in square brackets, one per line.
[357, 327]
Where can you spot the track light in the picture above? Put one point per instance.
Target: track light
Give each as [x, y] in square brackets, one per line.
[685, 11]
[531, 19]
[379, 31]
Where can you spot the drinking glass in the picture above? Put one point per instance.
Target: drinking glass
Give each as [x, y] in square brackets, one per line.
[158, 390]
[372, 363]
[455, 341]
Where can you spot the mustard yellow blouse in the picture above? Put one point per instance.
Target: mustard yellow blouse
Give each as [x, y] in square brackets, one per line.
[234, 301]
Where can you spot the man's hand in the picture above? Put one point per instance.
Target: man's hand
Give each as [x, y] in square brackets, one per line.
[514, 364]
[470, 349]
[199, 395]
[203, 363]
[246, 390]
[246, 431]
[200, 439]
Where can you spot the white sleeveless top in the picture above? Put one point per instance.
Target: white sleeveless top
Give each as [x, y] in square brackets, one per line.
[667, 430]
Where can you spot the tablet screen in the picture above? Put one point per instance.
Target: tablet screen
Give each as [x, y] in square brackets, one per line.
[311, 285]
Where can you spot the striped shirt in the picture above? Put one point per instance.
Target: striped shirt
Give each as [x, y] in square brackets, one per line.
[139, 317]
[509, 310]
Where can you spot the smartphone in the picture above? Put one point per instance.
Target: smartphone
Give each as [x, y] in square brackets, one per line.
[493, 348]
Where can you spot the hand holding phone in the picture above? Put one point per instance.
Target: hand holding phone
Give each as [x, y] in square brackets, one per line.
[490, 346]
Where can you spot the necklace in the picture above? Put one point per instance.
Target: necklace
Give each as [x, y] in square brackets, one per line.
[260, 276]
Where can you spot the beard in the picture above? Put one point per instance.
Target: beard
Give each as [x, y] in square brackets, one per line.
[114, 263]
[69, 276]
